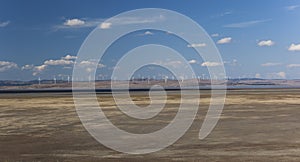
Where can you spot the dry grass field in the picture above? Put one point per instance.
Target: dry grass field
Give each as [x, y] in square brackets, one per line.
[256, 125]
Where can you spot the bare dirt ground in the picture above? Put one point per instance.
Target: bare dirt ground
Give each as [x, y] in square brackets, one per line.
[256, 125]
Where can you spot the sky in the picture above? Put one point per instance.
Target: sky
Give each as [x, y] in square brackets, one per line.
[41, 38]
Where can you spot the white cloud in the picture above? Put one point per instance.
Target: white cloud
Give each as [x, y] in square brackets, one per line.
[88, 69]
[4, 24]
[257, 75]
[27, 67]
[234, 62]
[169, 33]
[131, 20]
[5, 65]
[211, 64]
[192, 61]
[69, 57]
[91, 63]
[224, 40]
[105, 25]
[35, 73]
[294, 47]
[174, 63]
[222, 14]
[148, 33]
[293, 65]
[271, 64]
[74, 22]
[215, 35]
[281, 74]
[226, 13]
[266, 43]
[78, 23]
[245, 24]
[194, 45]
[137, 20]
[291, 8]
[40, 68]
[67, 67]
[100, 65]
[86, 63]
[58, 62]
[66, 60]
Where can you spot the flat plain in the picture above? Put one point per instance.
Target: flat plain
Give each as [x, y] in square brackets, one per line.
[255, 125]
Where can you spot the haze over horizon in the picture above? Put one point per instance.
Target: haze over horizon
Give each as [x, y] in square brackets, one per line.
[256, 39]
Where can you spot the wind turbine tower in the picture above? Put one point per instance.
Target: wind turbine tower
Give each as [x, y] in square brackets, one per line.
[54, 80]
[39, 80]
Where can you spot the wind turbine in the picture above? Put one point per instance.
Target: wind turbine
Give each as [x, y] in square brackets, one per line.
[39, 80]
[203, 76]
[166, 79]
[214, 76]
[193, 76]
[54, 79]
[90, 78]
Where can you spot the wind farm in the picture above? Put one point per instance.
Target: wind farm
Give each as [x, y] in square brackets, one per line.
[146, 83]
[149, 81]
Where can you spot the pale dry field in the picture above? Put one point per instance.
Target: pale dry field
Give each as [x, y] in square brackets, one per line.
[256, 125]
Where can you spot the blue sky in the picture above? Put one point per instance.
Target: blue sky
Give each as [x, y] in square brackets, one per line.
[255, 38]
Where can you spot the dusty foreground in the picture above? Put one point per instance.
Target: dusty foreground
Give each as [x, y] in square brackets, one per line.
[256, 125]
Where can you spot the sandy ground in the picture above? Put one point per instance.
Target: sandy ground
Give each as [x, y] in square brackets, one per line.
[256, 125]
